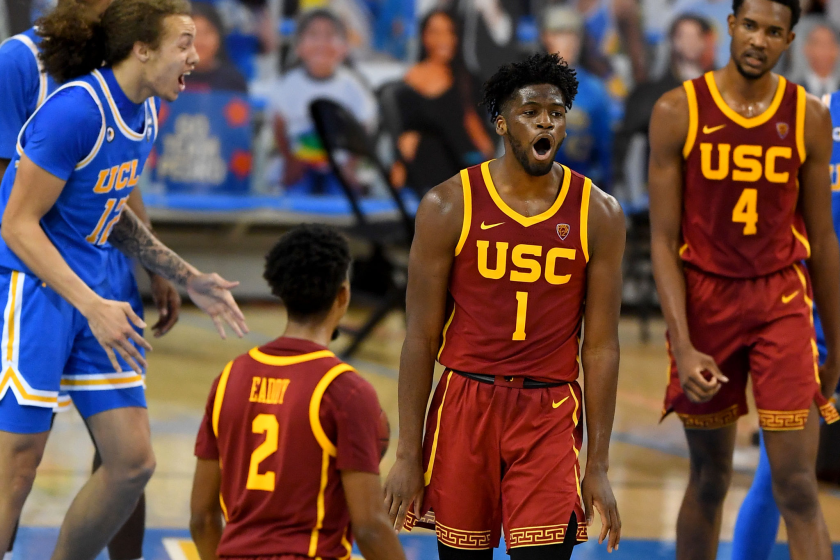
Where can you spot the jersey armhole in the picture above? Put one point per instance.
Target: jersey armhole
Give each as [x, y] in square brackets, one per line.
[691, 95]
[42, 76]
[584, 217]
[315, 408]
[801, 102]
[220, 397]
[465, 227]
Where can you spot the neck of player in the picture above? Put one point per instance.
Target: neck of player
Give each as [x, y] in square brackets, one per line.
[131, 81]
[731, 83]
[508, 172]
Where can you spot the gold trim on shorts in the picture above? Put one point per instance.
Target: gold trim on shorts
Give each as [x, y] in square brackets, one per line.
[710, 421]
[466, 540]
[782, 420]
[550, 534]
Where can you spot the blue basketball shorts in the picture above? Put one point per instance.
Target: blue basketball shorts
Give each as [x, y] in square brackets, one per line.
[50, 357]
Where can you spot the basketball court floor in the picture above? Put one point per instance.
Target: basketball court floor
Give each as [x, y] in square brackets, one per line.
[648, 460]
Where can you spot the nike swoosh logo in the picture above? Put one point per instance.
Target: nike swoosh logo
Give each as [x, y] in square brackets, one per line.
[707, 130]
[557, 404]
[786, 299]
[491, 226]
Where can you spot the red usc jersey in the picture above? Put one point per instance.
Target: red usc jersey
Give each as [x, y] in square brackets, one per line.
[740, 217]
[518, 283]
[283, 420]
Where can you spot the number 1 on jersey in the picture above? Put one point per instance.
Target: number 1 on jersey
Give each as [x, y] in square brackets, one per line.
[745, 211]
[521, 312]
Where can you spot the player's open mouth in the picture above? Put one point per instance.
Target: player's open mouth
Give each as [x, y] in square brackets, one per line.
[182, 81]
[542, 148]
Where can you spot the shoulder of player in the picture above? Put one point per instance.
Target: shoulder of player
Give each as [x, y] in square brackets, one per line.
[73, 105]
[669, 123]
[349, 386]
[14, 53]
[817, 126]
[443, 205]
[606, 218]
[815, 110]
[673, 104]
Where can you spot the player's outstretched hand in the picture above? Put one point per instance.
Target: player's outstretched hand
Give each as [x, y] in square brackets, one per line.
[168, 303]
[692, 367]
[111, 323]
[596, 490]
[211, 293]
[403, 486]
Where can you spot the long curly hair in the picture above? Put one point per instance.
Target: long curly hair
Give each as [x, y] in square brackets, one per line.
[74, 45]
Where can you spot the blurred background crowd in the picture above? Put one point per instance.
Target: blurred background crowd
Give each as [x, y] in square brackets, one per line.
[409, 73]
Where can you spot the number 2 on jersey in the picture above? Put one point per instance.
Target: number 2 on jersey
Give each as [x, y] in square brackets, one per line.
[745, 211]
[521, 313]
[263, 424]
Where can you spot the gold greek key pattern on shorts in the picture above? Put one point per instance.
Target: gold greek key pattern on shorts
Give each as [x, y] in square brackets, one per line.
[426, 522]
[710, 421]
[470, 540]
[829, 413]
[781, 420]
[550, 534]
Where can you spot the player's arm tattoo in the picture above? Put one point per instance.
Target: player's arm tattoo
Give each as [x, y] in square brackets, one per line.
[134, 239]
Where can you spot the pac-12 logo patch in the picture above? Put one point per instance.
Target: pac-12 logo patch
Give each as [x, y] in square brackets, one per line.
[782, 128]
[563, 230]
[109, 134]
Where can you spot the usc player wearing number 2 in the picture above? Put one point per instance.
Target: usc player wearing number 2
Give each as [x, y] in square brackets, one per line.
[288, 451]
[508, 258]
[740, 196]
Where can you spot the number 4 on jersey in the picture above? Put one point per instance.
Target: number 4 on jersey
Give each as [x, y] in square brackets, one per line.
[745, 211]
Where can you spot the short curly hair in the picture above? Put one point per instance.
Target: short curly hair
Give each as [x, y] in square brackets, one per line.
[795, 9]
[536, 69]
[306, 269]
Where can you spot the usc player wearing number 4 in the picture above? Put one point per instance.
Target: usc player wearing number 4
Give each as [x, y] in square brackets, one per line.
[740, 199]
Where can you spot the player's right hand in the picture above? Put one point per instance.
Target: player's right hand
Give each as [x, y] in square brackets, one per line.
[403, 486]
[692, 366]
[211, 293]
[111, 323]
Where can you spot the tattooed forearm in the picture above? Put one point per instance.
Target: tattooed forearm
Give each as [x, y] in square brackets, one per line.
[135, 240]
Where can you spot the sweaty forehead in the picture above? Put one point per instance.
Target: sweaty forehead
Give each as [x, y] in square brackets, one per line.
[543, 94]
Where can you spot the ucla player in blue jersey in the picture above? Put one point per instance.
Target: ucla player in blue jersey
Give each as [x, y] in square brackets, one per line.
[758, 519]
[24, 86]
[63, 201]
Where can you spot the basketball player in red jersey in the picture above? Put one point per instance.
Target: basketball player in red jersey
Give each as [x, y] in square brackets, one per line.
[508, 258]
[288, 451]
[739, 197]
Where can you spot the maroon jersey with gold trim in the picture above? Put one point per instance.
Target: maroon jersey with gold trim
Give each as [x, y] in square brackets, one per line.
[741, 183]
[282, 421]
[518, 283]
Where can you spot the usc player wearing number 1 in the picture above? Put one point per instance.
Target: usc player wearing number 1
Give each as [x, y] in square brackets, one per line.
[288, 451]
[508, 258]
[740, 197]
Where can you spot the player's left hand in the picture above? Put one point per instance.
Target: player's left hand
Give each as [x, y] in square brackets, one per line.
[596, 490]
[211, 293]
[168, 303]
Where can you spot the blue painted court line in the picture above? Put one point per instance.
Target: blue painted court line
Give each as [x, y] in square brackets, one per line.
[36, 543]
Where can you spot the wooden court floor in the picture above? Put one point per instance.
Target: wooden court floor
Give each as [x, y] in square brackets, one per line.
[648, 459]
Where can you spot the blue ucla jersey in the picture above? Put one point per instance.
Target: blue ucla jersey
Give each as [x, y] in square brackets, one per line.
[833, 103]
[24, 86]
[80, 135]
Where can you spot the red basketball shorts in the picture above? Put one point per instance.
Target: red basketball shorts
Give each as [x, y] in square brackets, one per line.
[758, 327]
[502, 456]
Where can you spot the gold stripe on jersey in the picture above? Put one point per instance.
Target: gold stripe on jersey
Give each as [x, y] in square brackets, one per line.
[427, 477]
[315, 407]
[222, 503]
[584, 217]
[691, 95]
[741, 120]
[801, 101]
[446, 328]
[826, 99]
[513, 214]
[802, 239]
[321, 507]
[465, 227]
[288, 360]
[220, 397]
